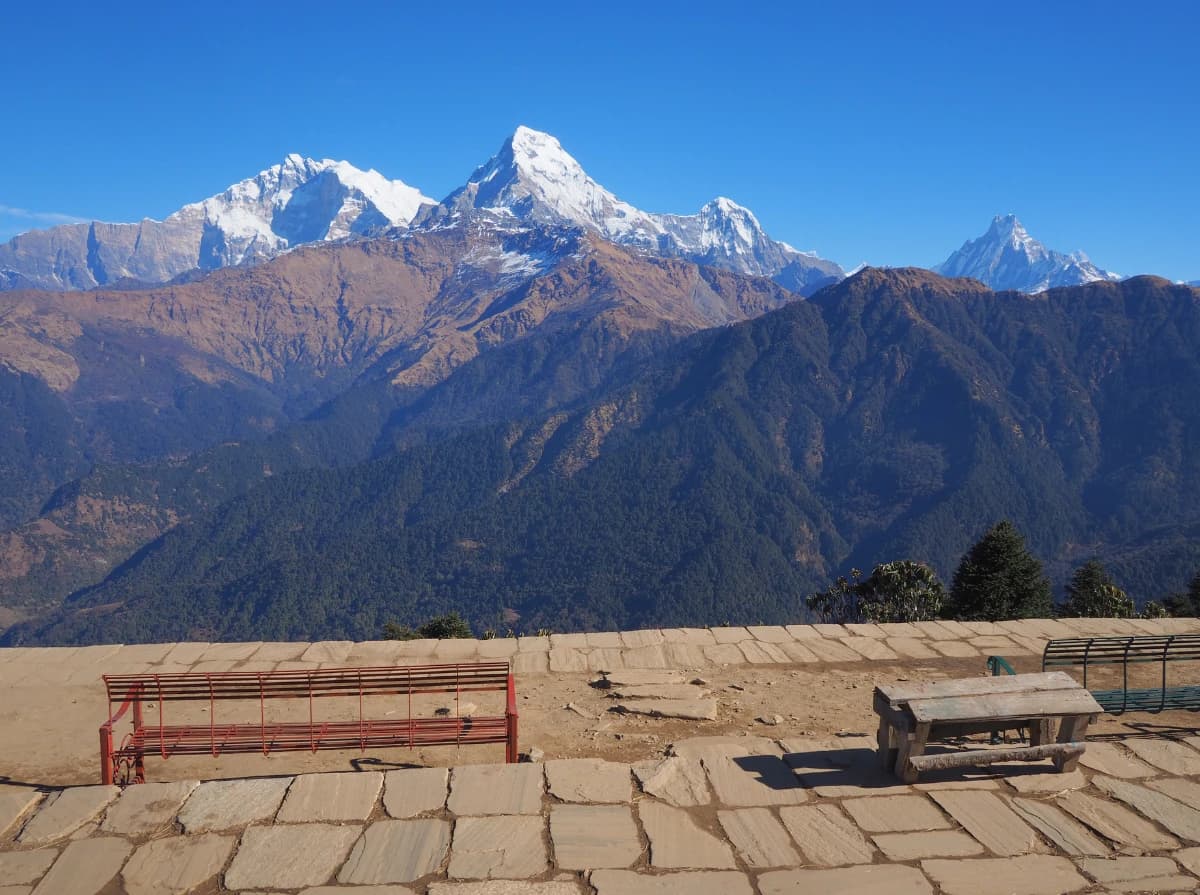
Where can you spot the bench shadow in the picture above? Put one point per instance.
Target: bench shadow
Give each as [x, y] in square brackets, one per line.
[854, 767]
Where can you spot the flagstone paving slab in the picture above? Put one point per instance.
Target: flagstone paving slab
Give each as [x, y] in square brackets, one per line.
[869, 648]
[347, 796]
[594, 836]
[847, 767]
[678, 843]
[63, 814]
[589, 780]
[955, 649]
[1123, 874]
[675, 780]
[533, 644]
[685, 655]
[730, 634]
[769, 633]
[147, 807]
[1059, 827]
[932, 844]
[1180, 819]
[690, 636]
[530, 662]
[626, 882]
[1186, 791]
[498, 847]
[1112, 760]
[911, 648]
[880, 879]
[724, 654]
[828, 650]
[496, 789]
[606, 659]
[16, 890]
[225, 804]
[397, 851]
[646, 657]
[1189, 858]
[989, 820]
[566, 659]
[807, 632]
[798, 652]
[826, 836]
[15, 801]
[641, 678]
[498, 648]
[1050, 781]
[645, 637]
[290, 856]
[895, 814]
[743, 781]
[1172, 757]
[26, 866]
[1116, 823]
[491, 887]
[85, 867]
[412, 791]
[761, 653]
[359, 890]
[759, 838]
[176, 864]
[1023, 875]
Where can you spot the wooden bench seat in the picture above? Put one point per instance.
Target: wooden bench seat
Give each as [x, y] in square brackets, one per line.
[397, 726]
[912, 714]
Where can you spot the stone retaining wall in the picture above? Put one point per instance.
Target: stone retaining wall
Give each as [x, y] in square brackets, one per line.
[690, 648]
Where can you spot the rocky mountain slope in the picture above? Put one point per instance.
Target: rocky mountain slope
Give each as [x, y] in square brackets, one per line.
[1007, 257]
[533, 179]
[298, 201]
[351, 337]
[895, 415]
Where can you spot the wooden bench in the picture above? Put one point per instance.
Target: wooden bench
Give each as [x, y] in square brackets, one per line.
[1090, 652]
[167, 691]
[910, 715]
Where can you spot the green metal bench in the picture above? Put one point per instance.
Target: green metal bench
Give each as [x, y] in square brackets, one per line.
[1091, 652]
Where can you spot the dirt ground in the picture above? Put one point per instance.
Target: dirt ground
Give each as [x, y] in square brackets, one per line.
[48, 735]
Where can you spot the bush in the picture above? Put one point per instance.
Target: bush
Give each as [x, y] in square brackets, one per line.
[450, 626]
[899, 591]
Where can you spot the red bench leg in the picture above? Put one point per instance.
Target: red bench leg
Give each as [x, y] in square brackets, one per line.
[139, 764]
[106, 749]
[510, 713]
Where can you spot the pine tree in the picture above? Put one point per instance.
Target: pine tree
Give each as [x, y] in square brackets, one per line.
[1091, 593]
[999, 579]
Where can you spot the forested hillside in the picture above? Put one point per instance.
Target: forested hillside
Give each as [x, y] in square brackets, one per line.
[895, 415]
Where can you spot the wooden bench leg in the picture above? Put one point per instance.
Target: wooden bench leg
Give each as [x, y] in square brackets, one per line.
[1073, 729]
[912, 744]
[1041, 732]
[886, 738]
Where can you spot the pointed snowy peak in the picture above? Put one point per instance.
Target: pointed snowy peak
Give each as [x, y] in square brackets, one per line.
[1007, 257]
[533, 180]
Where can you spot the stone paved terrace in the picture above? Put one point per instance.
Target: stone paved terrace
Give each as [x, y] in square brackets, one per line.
[759, 812]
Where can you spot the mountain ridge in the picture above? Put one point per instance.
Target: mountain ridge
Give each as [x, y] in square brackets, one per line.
[895, 415]
[294, 202]
[1007, 257]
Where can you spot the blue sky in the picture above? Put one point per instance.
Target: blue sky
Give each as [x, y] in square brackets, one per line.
[886, 132]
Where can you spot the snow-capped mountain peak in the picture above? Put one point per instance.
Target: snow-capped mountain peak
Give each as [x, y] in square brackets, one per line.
[298, 201]
[533, 179]
[1007, 257]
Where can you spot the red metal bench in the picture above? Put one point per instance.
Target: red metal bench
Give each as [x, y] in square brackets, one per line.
[130, 691]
